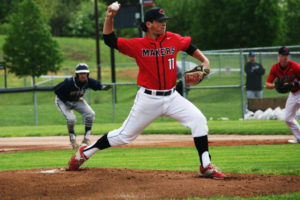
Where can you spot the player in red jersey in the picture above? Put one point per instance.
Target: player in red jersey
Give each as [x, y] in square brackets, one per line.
[155, 54]
[290, 71]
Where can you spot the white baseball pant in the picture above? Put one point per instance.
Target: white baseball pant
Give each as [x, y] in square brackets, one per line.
[291, 107]
[148, 107]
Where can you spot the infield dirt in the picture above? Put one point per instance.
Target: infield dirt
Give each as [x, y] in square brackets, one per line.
[102, 183]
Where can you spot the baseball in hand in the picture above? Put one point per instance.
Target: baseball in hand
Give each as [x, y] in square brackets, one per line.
[115, 6]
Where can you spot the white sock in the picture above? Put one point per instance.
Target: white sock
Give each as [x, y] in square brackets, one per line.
[72, 137]
[205, 159]
[87, 134]
[89, 151]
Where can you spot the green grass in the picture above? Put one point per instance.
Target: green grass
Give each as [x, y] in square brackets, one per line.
[84, 50]
[231, 159]
[252, 127]
[289, 196]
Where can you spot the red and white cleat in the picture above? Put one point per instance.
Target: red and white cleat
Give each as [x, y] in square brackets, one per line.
[211, 172]
[78, 159]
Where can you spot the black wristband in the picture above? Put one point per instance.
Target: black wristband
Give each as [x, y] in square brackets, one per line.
[192, 48]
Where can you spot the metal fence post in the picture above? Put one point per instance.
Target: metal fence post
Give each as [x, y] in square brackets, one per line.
[35, 108]
[114, 101]
[220, 65]
[260, 58]
[242, 82]
[183, 58]
[3, 66]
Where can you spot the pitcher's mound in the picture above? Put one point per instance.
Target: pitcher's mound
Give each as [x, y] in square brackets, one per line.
[101, 183]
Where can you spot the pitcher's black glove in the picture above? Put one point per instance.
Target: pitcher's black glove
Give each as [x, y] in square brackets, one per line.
[282, 85]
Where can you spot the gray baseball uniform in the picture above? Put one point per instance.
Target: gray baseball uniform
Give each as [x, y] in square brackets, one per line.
[69, 97]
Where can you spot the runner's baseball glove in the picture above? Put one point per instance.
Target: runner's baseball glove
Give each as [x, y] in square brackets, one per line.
[282, 85]
[196, 75]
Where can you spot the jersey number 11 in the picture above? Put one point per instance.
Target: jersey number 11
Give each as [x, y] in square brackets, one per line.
[171, 63]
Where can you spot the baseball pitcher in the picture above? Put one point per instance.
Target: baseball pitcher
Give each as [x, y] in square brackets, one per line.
[155, 54]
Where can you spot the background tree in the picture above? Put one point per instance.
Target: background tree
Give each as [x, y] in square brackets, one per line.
[63, 15]
[82, 22]
[267, 24]
[6, 7]
[291, 21]
[237, 23]
[182, 12]
[213, 24]
[29, 48]
[48, 8]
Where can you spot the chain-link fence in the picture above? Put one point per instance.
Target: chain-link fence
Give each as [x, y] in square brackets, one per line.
[220, 96]
[223, 92]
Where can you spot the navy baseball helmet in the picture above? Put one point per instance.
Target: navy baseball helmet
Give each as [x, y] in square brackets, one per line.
[82, 68]
[251, 54]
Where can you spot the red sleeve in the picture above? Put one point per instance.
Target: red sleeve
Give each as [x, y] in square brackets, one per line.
[297, 70]
[127, 46]
[183, 43]
[272, 74]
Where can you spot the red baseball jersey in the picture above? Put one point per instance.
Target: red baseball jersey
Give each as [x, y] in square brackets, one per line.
[156, 58]
[290, 73]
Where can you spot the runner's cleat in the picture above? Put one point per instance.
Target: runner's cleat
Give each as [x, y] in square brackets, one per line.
[86, 141]
[74, 144]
